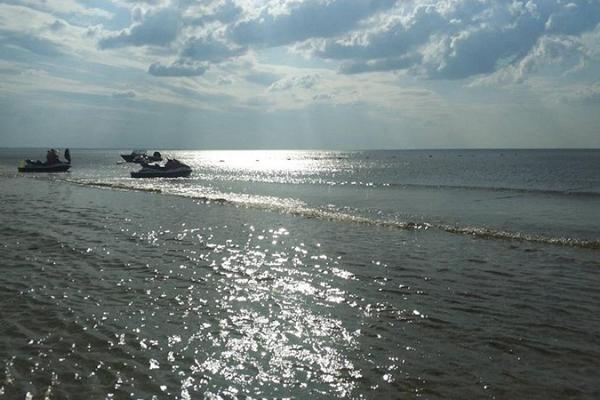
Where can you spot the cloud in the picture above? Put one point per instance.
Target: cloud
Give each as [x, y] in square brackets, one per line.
[553, 50]
[584, 96]
[383, 64]
[298, 21]
[177, 69]
[454, 40]
[209, 49]
[222, 81]
[566, 52]
[57, 26]
[64, 7]
[151, 2]
[303, 82]
[262, 78]
[323, 97]
[574, 18]
[157, 27]
[225, 12]
[124, 94]
[31, 43]
[480, 51]
[392, 37]
[441, 40]
[450, 40]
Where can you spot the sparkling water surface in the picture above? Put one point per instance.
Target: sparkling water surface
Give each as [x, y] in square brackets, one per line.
[302, 275]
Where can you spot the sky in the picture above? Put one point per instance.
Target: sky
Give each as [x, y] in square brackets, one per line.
[300, 74]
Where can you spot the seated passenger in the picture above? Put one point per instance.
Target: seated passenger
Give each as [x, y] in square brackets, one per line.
[51, 157]
[172, 164]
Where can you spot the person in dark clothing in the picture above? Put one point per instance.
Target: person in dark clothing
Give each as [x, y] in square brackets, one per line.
[51, 157]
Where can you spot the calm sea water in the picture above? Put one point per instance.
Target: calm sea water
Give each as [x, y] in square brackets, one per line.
[303, 274]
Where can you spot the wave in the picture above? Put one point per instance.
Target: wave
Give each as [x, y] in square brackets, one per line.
[299, 208]
[488, 233]
[111, 185]
[556, 192]
[292, 180]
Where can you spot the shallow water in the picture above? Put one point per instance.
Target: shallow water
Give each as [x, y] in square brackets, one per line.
[265, 281]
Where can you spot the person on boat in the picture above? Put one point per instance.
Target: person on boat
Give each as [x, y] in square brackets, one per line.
[172, 164]
[52, 157]
[145, 164]
[68, 156]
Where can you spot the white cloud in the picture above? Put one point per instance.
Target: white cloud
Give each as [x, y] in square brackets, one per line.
[124, 94]
[302, 82]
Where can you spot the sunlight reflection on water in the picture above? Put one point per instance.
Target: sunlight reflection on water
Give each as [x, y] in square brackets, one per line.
[135, 294]
[228, 314]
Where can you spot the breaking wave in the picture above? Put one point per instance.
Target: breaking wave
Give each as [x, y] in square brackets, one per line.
[299, 208]
[574, 192]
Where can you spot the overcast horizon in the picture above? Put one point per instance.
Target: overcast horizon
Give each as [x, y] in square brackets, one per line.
[293, 74]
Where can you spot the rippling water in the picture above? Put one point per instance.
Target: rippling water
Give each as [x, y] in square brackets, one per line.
[443, 274]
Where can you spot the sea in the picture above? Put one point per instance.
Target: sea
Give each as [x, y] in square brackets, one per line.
[408, 274]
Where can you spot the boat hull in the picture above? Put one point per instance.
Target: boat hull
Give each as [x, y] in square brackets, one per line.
[157, 173]
[62, 167]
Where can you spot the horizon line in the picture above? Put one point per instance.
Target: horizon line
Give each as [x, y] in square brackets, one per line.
[300, 149]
